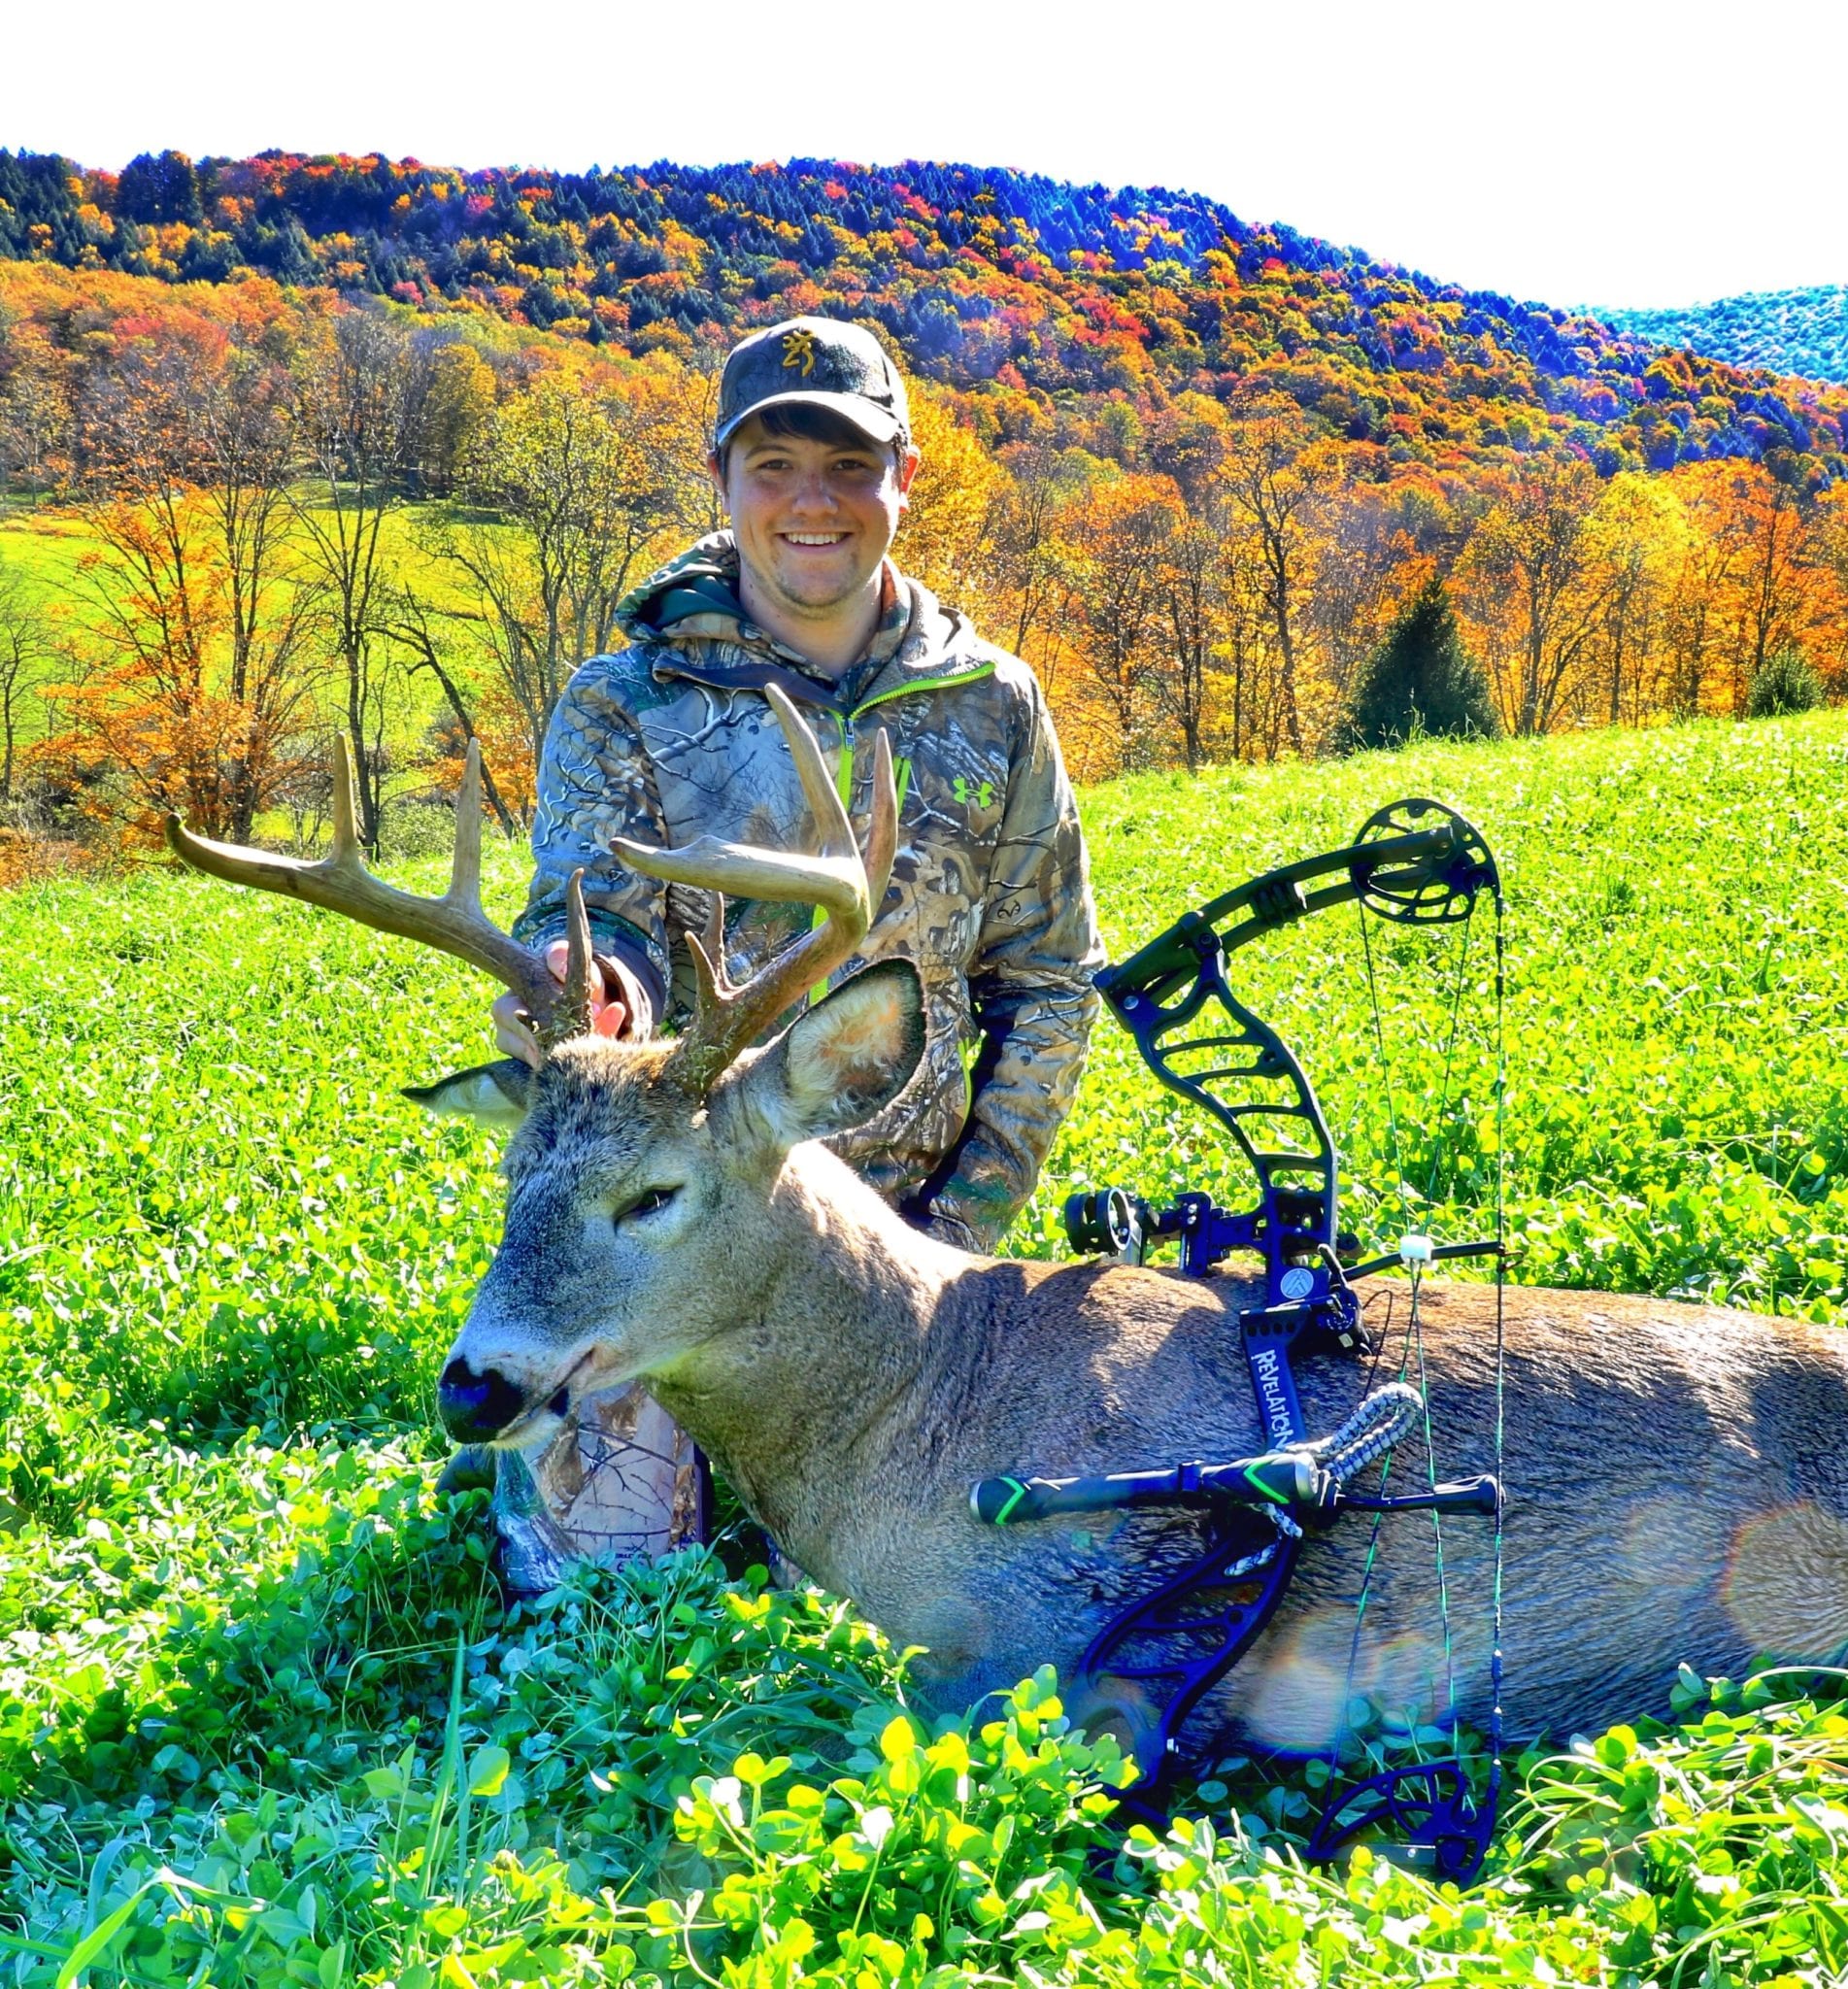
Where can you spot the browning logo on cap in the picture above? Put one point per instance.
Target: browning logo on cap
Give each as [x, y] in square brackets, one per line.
[798, 349]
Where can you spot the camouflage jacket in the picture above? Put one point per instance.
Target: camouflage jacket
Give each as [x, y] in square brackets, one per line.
[671, 738]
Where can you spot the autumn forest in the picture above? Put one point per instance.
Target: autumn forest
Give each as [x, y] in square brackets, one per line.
[292, 447]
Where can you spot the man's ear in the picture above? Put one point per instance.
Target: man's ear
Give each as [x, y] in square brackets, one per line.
[495, 1095]
[847, 1058]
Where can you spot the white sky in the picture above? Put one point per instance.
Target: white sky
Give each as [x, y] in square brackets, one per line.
[1629, 152]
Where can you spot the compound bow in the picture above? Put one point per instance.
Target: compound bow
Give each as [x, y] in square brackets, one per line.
[1415, 862]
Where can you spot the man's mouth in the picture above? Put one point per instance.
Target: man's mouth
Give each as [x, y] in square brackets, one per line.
[815, 538]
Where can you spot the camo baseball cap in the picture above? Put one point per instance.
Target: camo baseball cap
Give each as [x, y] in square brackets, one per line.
[817, 361]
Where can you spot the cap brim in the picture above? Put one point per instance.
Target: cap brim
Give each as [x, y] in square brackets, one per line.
[879, 427]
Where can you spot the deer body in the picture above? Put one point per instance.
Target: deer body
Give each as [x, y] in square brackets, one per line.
[1677, 1487]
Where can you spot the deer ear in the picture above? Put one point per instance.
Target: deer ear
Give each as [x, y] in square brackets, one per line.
[848, 1058]
[495, 1095]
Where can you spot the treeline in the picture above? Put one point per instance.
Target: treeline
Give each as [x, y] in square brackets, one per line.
[305, 515]
[1785, 331]
[304, 519]
[1016, 290]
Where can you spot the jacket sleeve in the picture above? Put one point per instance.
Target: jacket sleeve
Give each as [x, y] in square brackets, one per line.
[595, 781]
[1031, 990]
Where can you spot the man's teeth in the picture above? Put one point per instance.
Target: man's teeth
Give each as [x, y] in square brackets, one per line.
[814, 538]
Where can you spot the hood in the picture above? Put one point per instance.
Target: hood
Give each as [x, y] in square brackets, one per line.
[700, 585]
[693, 599]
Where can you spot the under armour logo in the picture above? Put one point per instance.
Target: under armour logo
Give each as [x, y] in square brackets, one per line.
[798, 349]
[982, 793]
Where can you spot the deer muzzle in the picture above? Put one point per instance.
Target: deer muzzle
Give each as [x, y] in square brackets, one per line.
[476, 1409]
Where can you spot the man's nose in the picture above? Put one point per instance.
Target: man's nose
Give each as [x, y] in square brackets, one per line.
[815, 493]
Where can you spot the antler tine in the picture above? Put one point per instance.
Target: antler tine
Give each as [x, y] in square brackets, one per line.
[882, 828]
[837, 883]
[708, 950]
[340, 882]
[569, 1014]
[817, 790]
[714, 934]
[845, 885]
[345, 850]
[465, 866]
[834, 878]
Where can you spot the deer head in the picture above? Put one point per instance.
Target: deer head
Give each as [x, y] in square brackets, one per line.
[647, 1187]
[648, 1191]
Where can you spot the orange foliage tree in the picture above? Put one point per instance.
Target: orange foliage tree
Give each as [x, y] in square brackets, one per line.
[195, 660]
[1172, 488]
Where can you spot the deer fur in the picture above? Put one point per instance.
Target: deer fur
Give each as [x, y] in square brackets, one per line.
[1676, 1481]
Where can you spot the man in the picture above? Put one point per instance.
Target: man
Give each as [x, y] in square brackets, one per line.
[670, 738]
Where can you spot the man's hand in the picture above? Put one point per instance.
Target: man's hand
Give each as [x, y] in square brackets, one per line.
[617, 1007]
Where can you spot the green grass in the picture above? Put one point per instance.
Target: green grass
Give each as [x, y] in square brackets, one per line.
[43, 547]
[262, 1718]
[45, 541]
[1677, 1114]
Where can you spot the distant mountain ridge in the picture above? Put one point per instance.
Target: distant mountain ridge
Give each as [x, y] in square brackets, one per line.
[1017, 289]
[1785, 331]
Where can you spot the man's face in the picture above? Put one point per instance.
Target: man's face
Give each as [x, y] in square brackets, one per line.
[813, 519]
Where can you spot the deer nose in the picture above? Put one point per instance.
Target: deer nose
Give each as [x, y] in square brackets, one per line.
[475, 1407]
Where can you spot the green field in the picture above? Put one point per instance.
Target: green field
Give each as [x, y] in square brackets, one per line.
[43, 547]
[262, 1718]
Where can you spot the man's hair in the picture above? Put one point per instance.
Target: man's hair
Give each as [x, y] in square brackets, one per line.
[813, 424]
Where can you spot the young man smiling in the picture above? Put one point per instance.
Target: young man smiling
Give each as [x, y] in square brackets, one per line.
[670, 738]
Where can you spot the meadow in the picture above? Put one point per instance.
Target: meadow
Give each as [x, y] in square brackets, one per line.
[264, 1718]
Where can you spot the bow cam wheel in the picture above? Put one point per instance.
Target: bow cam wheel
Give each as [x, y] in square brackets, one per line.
[1435, 890]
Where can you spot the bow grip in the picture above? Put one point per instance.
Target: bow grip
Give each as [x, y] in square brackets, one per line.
[1481, 1496]
[1006, 1502]
[1279, 1478]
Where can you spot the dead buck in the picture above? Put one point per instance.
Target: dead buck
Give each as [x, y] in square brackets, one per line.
[1677, 1479]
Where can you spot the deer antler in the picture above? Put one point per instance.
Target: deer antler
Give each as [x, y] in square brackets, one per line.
[452, 924]
[838, 881]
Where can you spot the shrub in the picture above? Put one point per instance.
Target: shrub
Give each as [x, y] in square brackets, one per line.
[1785, 682]
[26, 859]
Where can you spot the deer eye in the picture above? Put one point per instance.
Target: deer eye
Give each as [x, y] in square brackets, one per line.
[647, 1205]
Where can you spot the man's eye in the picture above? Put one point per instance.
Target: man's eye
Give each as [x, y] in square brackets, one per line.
[647, 1205]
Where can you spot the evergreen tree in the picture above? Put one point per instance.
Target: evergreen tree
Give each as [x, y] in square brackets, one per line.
[1421, 682]
[155, 190]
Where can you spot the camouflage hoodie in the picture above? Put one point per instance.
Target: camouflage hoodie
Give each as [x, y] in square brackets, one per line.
[671, 738]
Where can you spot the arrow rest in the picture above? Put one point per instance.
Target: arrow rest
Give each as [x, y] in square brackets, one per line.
[1415, 862]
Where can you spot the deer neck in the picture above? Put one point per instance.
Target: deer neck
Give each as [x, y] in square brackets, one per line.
[795, 1397]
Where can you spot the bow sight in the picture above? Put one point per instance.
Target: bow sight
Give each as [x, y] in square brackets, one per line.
[1418, 863]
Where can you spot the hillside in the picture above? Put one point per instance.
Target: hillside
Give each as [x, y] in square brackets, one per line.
[1784, 331]
[1022, 288]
